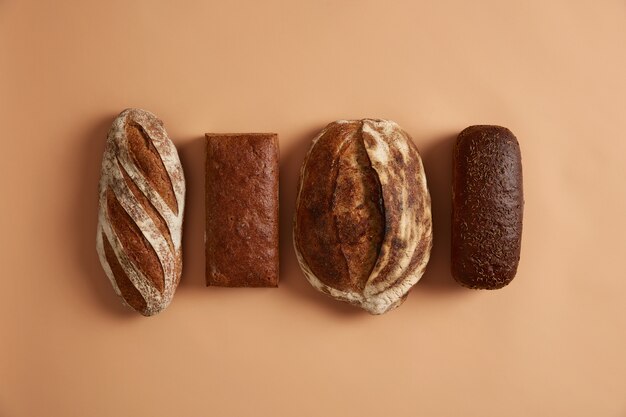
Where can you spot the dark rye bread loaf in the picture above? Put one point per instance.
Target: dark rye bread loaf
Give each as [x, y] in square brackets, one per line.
[487, 207]
[142, 191]
[242, 210]
[362, 227]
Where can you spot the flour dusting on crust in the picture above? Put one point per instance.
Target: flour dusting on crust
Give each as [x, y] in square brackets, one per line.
[116, 163]
[407, 241]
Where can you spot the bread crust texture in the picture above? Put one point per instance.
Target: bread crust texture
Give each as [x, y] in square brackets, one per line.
[241, 203]
[487, 207]
[141, 207]
[363, 226]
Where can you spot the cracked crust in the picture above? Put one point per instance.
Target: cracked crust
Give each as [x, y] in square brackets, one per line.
[362, 228]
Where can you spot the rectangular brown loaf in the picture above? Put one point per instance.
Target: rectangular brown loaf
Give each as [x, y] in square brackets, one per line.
[487, 207]
[242, 210]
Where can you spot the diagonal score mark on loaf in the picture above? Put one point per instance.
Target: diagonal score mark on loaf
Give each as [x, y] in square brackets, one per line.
[148, 292]
[133, 296]
[149, 162]
[140, 204]
[148, 207]
[146, 244]
[155, 168]
[144, 226]
[406, 246]
[105, 261]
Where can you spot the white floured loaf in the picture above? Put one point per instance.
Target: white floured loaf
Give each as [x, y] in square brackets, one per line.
[142, 193]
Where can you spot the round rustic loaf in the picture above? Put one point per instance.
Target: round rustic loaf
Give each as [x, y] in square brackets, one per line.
[362, 227]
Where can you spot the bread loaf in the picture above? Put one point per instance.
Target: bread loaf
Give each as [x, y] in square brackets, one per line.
[487, 207]
[142, 191]
[242, 210]
[362, 227]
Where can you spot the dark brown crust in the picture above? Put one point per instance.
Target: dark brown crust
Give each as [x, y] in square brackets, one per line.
[131, 294]
[340, 216]
[135, 245]
[149, 162]
[487, 207]
[242, 210]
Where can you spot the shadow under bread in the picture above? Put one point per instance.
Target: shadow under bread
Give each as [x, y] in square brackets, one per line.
[83, 218]
[437, 159]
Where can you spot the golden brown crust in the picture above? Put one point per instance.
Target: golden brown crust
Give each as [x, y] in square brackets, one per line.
[316, 230]
[242, 210]
[142, 191]
[158, 220]
[358, 211]
[343, 219]
[149, 163]
[132, 296]
[362, 228]
[137, 247]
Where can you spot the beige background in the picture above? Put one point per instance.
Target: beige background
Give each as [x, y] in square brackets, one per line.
[553, 343]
